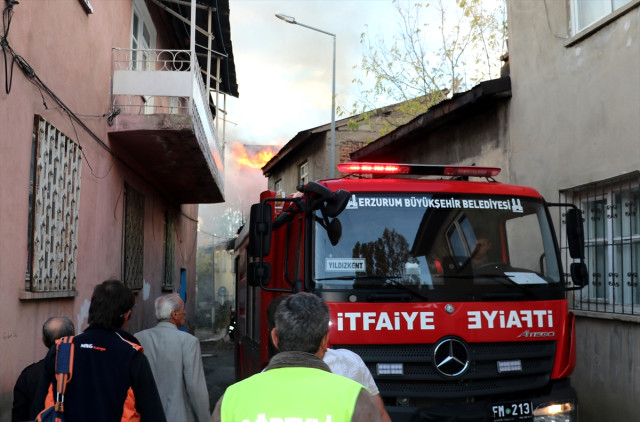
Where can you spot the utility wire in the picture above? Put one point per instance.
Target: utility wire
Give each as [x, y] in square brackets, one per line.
[7, 14]
[33, 78]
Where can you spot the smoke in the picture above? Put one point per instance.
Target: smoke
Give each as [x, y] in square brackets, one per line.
[243, 183]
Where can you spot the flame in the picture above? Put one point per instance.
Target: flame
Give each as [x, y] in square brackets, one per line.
[252, 159]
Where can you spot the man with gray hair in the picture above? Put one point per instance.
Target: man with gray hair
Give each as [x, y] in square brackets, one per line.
[176, 363]
[297, 384]
[25, 389]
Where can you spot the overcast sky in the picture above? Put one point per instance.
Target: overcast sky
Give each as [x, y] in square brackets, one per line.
[284, 71]
[284, 75]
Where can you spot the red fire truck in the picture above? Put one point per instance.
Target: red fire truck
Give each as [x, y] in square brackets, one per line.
[448, 284]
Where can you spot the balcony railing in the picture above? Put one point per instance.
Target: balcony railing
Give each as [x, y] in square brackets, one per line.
[165, 82]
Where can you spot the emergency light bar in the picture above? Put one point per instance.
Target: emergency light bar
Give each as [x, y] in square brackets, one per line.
[417, 169]
[373, 168]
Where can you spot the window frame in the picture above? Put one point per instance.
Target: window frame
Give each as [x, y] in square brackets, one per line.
[61, 219]
[133, 223]
[303, 173]
[580, 31]
[147, 62]
[613, 286]
[277, 186]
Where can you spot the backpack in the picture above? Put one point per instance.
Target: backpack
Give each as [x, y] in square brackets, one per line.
[64, 371]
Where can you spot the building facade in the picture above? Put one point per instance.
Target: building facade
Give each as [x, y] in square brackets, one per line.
[307, 156]
[575, 135]
[570, 129]
[109, 141]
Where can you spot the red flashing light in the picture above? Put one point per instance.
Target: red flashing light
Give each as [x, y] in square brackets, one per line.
[373, 168]
[418, 169]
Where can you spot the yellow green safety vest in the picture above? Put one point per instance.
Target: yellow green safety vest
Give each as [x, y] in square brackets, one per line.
[291, 394]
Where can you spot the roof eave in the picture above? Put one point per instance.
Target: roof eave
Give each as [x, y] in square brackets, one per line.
[437, 114]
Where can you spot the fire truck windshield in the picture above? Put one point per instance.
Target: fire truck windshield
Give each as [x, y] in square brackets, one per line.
[439, 247]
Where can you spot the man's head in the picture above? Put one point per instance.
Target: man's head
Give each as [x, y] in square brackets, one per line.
[302, 323]
[55, 328]
[482, 246]
[111, 305]
[170, 308]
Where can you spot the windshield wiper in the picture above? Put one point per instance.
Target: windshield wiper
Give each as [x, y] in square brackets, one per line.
[506, 280]
[386, 279]
[392, 281]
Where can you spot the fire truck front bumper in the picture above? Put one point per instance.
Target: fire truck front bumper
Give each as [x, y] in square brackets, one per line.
[560, 404]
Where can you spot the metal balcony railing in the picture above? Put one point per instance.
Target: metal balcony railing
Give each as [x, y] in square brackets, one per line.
[149, 81]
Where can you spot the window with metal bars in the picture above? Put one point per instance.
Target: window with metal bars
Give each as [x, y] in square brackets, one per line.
[133, 238]
[54, 205]
[611, 214]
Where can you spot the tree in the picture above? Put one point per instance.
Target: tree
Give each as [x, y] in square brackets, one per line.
[225, 225]
[422, 65]
[387, 255]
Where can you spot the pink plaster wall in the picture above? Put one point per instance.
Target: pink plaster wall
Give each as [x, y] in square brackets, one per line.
[71, 53]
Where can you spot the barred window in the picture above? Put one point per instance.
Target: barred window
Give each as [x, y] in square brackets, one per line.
[133, 238]
[170, 225]
[611, 214]
[54, 203]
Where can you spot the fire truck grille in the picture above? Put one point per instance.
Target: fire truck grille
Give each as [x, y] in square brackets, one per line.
[523, 366]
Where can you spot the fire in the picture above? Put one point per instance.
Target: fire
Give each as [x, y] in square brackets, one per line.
[254, 156]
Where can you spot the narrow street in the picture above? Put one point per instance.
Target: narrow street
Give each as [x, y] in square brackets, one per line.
[218, 361]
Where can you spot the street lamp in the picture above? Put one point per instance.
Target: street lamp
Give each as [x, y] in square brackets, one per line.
[292, 20]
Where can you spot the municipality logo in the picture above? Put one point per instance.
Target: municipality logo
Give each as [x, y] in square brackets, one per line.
[353, 203]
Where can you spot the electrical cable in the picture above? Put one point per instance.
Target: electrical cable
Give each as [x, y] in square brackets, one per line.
[215, 236]
[7, 14]
[34, 79]
[546, 9]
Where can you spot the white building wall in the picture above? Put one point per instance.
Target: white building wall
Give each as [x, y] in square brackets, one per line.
[575, 119]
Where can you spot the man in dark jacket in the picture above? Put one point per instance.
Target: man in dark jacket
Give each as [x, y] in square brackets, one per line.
[111, 380]
[25, 388]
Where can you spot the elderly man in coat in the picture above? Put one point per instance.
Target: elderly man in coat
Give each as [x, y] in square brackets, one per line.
[176, 363]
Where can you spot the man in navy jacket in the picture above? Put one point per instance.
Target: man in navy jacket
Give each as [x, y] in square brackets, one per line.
[111, 380]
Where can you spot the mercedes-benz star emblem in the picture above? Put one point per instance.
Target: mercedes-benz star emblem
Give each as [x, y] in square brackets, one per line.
[451, 357]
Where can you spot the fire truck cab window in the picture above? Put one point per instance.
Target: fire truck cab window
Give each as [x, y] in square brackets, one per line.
[440, 247]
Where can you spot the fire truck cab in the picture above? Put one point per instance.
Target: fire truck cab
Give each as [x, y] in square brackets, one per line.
[449, 285]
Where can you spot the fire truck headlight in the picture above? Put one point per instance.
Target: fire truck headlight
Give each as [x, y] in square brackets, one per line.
[555, 412]
[389, 369]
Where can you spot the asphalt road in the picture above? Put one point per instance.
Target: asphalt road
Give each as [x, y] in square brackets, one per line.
[218, 361]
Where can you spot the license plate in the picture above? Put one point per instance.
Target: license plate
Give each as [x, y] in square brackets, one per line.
[512, 411]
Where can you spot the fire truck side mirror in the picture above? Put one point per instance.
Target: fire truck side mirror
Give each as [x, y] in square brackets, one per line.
[579, 274]
[260, 230]
[575, 240]
[334, 231]
[259, 274]
[575, 233]
[337, 203]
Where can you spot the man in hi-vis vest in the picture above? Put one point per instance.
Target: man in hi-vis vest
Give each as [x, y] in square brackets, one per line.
[297, 384]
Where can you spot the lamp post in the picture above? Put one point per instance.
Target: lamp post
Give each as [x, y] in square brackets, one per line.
[292, 20]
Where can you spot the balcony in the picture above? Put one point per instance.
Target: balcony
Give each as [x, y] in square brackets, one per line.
[165, 127]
